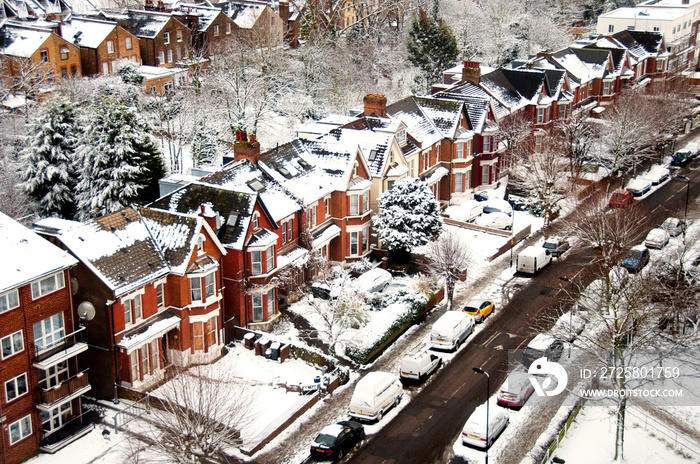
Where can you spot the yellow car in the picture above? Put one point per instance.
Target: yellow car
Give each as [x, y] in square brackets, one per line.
[478, 308]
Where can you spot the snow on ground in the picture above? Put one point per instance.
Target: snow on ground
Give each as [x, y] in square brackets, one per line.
[643, 445]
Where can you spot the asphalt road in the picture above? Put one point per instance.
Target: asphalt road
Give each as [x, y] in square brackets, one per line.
[427, 427]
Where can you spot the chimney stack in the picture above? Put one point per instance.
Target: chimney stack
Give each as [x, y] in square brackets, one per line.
[247, 147]
[471, 72]
[375, 103]
[209, 216]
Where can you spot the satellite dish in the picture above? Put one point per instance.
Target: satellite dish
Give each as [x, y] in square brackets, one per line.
[86, 310]
[74, 285]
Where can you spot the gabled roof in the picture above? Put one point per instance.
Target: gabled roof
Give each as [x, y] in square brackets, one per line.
[597, 60]
[244, 13]
[87, 32]
[22, 41]
[206, 14]
[651, 41]
[234, 208]
[131, 247]
[444, 114]
[141, 23]
[32, 9]
[419, 125]
[568, 60]
[477, 100]
[27, 256]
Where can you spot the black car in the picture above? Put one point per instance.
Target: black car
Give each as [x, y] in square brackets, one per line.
[337, 439]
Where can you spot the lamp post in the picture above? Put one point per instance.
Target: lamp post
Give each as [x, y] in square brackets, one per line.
[479, 370]
[512, 244]
[687, 194]
[571, 311]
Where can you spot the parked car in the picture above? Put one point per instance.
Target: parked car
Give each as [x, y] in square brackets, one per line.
[494, 221]
[636, 258]
[542, 345]
[374, 280]
[479, 309]
[569, 326]
[638, 187]
[466, 212]
[451, 330]
[375, 394]
[556, 246]
[481, 196]
[335, 440]
[516, 390]
[497, 205]
[674, 226]
[620, 198]
[657, 174]
[419, 363]
[682, 157]
[474, 431]
[656, 238]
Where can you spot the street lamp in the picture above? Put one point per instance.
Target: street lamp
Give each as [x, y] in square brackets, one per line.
[571, 311]
[687, 193]
[479, 370]
[512, 243]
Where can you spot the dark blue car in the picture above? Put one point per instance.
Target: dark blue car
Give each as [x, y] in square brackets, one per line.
[636, 258]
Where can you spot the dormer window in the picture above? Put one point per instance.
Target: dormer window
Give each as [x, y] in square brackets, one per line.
[401, 137]
[256, 222]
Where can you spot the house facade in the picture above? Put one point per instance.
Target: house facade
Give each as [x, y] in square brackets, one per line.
[41, 337]
[154, 281]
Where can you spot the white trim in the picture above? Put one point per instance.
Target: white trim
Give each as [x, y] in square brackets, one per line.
[204, 317]
[489, 162]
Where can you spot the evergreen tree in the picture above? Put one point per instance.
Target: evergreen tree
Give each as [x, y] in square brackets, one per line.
[130, 74]
[205, 145]
[409, 217]
[431, 45]
[121, 163]
[50, 175]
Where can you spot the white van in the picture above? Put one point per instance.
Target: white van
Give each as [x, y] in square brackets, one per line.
[532, 259]
[419, 363]
[450, 330]
[374, 395]
[474, 431]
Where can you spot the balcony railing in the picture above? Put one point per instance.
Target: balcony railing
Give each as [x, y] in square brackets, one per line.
[68, 433]
[44, 352]
[65, 389]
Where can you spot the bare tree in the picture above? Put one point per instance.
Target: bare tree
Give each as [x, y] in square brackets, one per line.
[27, 78]
[447, 258]
[608, 231]
[576, 140]
[544, 174]
[197, 415]
[515, 131]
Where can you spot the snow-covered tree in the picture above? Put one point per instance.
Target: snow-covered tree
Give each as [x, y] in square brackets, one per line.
[515, 129]
[576, 139]
[51, 164]
[446, 258]
[121, 164]
[205, 144]
[409, 217]
[431, 46]
[130, 74]
[543, 174]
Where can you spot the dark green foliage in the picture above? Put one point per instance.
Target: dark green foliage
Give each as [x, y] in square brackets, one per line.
[431, 46]
[130, 74]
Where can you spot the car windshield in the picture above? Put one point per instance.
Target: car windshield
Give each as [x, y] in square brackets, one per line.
[550, 245]
[325, 439]
[618, 196]
[634, 255]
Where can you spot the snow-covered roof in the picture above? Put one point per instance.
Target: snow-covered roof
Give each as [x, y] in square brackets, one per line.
[23, 42]
[27, 256]
[325, 234]
[154, 327]
[541, 342]
[663, 14]
[206, 14]
[243, 13]
[419, 125]
[87, 32]
[141, 23]
[131, 247]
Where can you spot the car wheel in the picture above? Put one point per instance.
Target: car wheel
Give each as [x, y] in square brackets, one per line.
[341, 454]
[380, 416]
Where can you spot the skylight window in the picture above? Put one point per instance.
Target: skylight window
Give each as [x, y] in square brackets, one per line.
[282, 170]
[303, 163]
[372, 155]
[256, 185]
[232, 220]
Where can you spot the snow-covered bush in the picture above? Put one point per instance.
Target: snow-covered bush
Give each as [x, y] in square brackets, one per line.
[361, 266]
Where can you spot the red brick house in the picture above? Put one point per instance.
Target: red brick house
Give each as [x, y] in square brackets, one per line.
[102, 44]
[155, 281]
[163, 40]
[212, 30]
[255, 22]
[42, 380]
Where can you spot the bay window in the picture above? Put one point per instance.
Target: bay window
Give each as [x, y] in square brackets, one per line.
[270, 254]
[257, 308]
[271, 302]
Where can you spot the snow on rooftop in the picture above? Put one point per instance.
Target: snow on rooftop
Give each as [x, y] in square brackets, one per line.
[92, 32]
[663, 14]
[23, 42]
[27, 256]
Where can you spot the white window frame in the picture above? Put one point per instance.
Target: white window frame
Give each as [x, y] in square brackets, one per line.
[135, 366]
[459, 152]
[170, 55]
[327, 203]
[200, 244]
[110, 47]
[270, 258]
[52, 335]
[228, 28]
[401, 137]
[270, 303]
[161, 57]
[485, 174]
[210, 285]
[488, 142]
[61, 413]
[166, 38]
[23, 424]
[256, 262]
[53, 376]
[459, 182]
[58, 281]
[311, 217]
[216, 30]
[12, 339]
[541, 115]
[607, 87]
[257, 307]
[160, 294]
[127, 43]
[196, 289]
[365, 201]
[9, 301]
[178, 35]
[14, 383]
[64, 53]
[256, 220]
[355, 242]
[355, 205]
[365, 239]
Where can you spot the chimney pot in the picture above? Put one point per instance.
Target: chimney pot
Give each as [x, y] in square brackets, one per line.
[375, 103]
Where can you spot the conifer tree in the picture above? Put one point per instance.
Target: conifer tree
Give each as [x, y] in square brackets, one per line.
[431, 45]
[50, 176]
[205, 146]
[121, 163]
